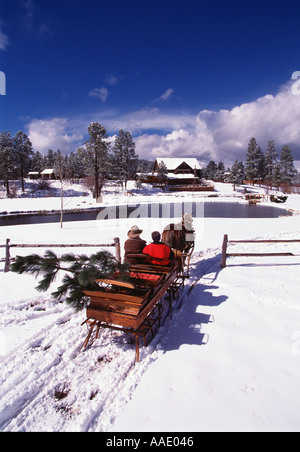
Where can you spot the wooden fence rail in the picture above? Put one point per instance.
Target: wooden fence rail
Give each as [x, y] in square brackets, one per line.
[9, 245]
[226, 242]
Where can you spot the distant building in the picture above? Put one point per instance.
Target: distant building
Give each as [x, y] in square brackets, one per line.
[179, 165]
[182, 175]
[48, 174]
[34, 175]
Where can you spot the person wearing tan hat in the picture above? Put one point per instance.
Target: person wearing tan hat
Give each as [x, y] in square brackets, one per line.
[134, 244]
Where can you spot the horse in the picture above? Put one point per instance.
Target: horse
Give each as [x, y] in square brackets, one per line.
[180, 236]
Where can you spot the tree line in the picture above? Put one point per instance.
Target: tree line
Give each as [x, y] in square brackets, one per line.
[98, 160]
[270, 167]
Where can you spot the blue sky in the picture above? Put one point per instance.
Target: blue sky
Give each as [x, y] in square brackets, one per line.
[194, 78]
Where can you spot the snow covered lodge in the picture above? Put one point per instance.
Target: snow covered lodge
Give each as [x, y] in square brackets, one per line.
[177, 174]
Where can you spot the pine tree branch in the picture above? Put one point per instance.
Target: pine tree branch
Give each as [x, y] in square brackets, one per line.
[80, 274]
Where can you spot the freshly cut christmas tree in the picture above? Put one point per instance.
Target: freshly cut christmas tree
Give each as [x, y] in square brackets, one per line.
[81, 273]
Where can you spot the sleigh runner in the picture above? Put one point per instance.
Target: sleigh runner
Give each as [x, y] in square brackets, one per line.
[135, 306]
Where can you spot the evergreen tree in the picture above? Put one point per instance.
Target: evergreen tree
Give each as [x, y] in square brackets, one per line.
[271, 161]
[237, 173]
[276, 174]
[49, 159]
[253, 160]
[75, 167]
[287, 168]
[261, 164]
[162, 173]
[82, 157]
[7, 159]
[144, 166]
[125, 160]
[37, 162]
[220, 172]
[96, 156]
[142, 170]
[23, 155]
[61, 166]
[210, 171]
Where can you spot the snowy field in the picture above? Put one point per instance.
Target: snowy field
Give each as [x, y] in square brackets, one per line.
[226, 359]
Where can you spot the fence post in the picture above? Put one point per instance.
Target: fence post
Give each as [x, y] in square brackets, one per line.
[7, 256]
[224, 251]
[118, 249]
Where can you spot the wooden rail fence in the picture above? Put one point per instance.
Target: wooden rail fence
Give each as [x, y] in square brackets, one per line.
[8, 259]
[226, 242]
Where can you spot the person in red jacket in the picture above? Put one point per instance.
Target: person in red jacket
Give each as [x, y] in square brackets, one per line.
[158, 250]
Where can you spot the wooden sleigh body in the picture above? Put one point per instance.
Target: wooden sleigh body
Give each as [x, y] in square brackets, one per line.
[134, 306]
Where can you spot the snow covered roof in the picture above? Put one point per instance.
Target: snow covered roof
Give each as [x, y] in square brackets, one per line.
[180, 176]
[48, 171]
[172, 162]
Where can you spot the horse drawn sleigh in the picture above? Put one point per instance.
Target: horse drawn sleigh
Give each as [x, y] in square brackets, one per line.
[127, 298]
[135, 306]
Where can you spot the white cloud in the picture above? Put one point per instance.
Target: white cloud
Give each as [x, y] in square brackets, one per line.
[112, 80]
[99, 93]
[178, 143]
[33, 22]
[167, 94]
[224, 135]
[55, 133]
[149, 119]
[3, 39]
[269, 117]
[164, 97]
[147, 146]
[219, 135]
[30, 9]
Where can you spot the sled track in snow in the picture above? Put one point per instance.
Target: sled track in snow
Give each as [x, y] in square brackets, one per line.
[50, 384]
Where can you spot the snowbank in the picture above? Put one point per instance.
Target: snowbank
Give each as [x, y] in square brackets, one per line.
[226, 359]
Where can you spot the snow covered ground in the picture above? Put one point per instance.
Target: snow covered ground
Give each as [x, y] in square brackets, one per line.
[226, 359]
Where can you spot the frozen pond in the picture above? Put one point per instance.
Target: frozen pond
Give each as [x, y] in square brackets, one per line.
[155, 210]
